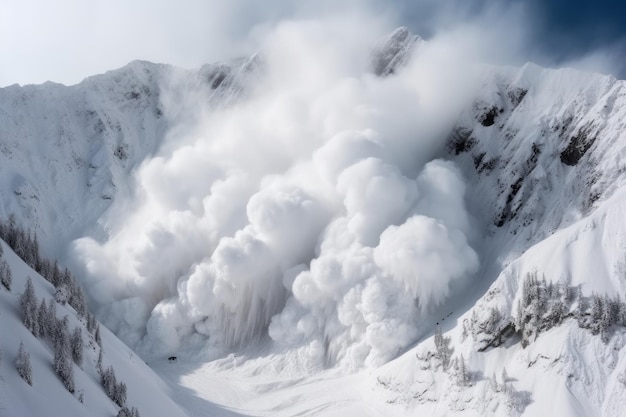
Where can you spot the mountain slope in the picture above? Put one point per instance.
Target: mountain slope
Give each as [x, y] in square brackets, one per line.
[67, 152]
[325, 257]
[47, 395]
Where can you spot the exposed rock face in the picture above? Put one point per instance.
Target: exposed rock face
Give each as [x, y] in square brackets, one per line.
[394, 51]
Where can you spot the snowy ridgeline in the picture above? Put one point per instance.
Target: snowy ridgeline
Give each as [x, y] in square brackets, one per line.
[56, 344]
[68, 152]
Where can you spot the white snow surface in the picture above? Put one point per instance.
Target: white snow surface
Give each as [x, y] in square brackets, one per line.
[47, 395]
[305, 277]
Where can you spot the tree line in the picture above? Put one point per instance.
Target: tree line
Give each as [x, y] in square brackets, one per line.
[544, 305]
[40, 318]
[26, 246]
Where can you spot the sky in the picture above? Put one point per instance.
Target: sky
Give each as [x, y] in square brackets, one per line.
[67, 40]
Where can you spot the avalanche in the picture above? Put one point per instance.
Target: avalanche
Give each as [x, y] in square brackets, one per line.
[278, 221]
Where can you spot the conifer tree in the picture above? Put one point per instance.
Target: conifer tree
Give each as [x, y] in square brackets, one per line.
[52, 322]
[62, 357]
[581, 309]
[98, 336]
[55, 278]
[126, 412]
[444, 353]
[6, 276]
[99, 363]
[91, 323]
[22, 364]
[28, 306]
[108, 381]
[43, 319]
[77, 299]
[464, 377]
[557, 313]
[493, 382]
[76, 345]
[61, 295]
[597, 309]
[120, 394]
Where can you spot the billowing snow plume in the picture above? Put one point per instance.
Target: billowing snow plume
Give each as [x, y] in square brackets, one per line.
[312, 209]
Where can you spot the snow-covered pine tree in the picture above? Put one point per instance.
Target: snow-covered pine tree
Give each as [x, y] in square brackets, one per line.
[99, 363]
[474, 323]
[62, 357]
[46, 269]
[61, 295]
[55, 272]
[493, 383]
[557, 312]
[51, 321]
[493, 322]
[28, 307]
[114, 390]
[36, 251]
[98, 336]
[597, 308]
[22, 364]
[128, 412]
[10, 230]
[6, 276]
[77, 299]
[91, 323]
[465, 332]
[76, 345]
[124, 412]
[119, 396]
[463, 375]
[43, 319]
[444, 352]
[108, 381]
[66, 279]
[19, 247]
[581, 309]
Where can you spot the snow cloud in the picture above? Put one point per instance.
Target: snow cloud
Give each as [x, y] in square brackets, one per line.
[313, 209]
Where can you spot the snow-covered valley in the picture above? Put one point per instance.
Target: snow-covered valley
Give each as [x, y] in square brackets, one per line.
[391, 234]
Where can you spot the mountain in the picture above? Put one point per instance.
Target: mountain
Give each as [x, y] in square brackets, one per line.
[75, 147]
[412, 237]
[48, 395]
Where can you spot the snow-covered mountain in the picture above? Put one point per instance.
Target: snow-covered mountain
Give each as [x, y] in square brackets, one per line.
[75, 147]
[393, 239]
[47, 395]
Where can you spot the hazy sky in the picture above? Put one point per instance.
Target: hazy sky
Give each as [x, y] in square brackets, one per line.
[67, 40]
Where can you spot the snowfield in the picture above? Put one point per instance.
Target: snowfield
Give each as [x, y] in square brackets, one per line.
[327, 233]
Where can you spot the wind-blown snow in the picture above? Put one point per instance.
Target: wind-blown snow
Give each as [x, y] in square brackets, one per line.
[308, 206]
